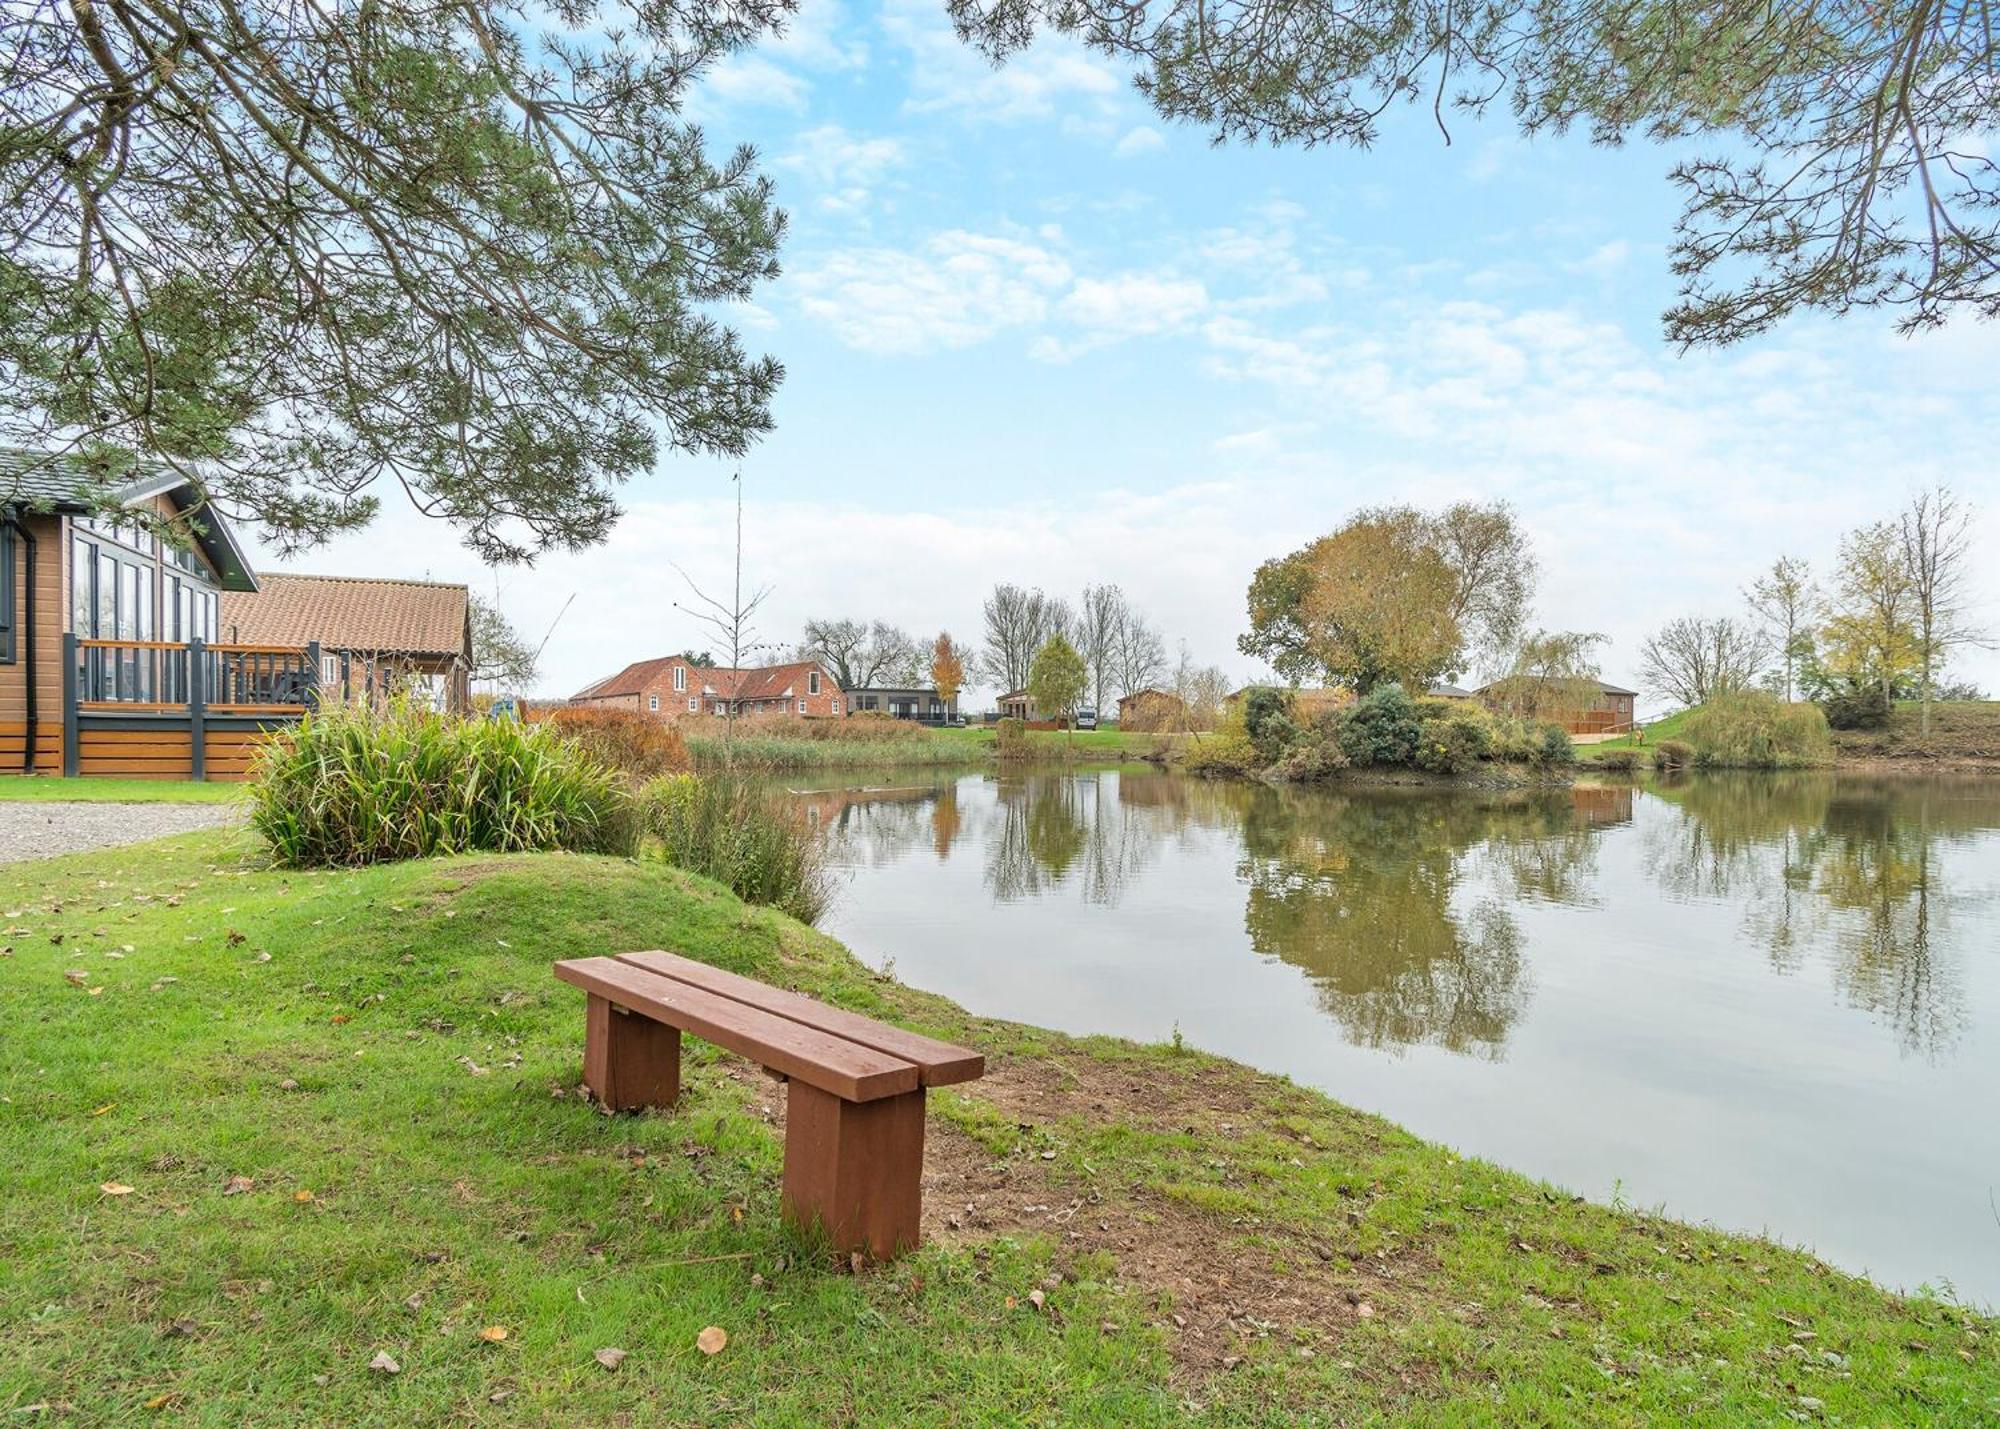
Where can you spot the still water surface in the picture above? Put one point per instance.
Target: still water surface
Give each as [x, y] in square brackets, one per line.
[1771, 1003]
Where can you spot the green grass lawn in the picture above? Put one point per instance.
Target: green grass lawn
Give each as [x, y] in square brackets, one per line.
[1093, 742]
[117, 791]
[345, 1106]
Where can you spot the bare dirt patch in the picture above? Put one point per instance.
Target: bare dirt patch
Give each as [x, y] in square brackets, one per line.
[1215, 1283]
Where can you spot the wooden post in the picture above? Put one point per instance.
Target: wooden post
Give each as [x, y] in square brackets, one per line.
[854, 1170]
[312, 674]
[629, 1062]
[71, 694]
[197, 711]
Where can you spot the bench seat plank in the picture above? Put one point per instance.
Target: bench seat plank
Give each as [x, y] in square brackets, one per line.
[825, 1060]
[938, 1063]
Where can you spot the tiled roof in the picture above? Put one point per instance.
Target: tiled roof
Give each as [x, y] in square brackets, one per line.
[351, 613]
[769, 682]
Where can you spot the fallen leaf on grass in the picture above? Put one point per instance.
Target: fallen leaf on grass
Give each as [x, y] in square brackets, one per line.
[1037, 1299]
[161, 1401]
[493, 1334]
[99, 1111]
[711, 1340]
[1365, 1310]
[610, 1358]
[115, 1188]
[235, 938]
[76, 977]
[302, 1196]
[237, 1185]
[384, 1364]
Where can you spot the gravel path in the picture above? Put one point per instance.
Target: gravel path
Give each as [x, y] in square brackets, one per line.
[32, 829]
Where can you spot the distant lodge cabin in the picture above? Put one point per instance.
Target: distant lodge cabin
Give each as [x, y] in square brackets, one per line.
[377, 637]
[115, 658]
[921, 703]
[1611, 713]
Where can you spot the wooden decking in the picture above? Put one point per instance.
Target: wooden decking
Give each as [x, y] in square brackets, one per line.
[149, 709]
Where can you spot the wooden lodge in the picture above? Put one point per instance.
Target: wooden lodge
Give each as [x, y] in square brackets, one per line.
[111, 661]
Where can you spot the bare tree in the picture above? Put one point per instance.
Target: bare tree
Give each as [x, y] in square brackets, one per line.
[1493, 572]
[731, 623]
[1140, 660]
[1695, 658]
[1788, 603]
[500, 655]
[1100, 623]
[1018, 623]
[861, 655]
[1936, 533]
[1198, 692]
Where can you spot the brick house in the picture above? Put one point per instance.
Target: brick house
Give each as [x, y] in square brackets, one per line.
[674, 687]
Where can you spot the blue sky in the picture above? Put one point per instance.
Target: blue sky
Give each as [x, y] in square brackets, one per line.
[1033, 333]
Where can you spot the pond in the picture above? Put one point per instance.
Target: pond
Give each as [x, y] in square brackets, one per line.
[1767, 1002]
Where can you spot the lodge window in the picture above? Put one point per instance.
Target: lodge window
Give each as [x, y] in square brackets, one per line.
[694, 702]
[680, 677]
[836, 706]
[812, 683]
[653, 702]
[802, 706]
[119, 592]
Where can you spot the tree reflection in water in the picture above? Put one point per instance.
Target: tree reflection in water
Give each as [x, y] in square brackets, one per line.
[1397, 903]
[1844, 865]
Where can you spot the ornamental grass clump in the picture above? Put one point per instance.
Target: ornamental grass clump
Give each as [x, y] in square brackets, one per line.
[349, 786]
[721, 828]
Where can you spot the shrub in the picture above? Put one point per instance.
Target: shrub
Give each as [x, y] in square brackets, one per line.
[1316, 756]
[1863, 708]
[725, 830]
[1267, 721]
[1553, 747]
[348, 785]
[1754, 729]
[634, 744]
[1010, 739]
[1672, 755]
[1221, 753]
[1623, 760]
[1381, 728]
[1452, 741]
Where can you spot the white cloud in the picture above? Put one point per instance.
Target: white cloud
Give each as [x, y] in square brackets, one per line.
[1143, 139]
[773, 74]
[946, 75]
[751, 79]
[957, 289]
[844, 168]
[960, 288]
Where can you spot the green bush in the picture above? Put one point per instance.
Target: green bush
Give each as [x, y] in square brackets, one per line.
[348, 785]
[1267, 721]
[1622, 760]
[1554, 747]
[1754, 729]
[1671, 755]
[1381, 728]
[1864, 708]
[762, 849]
[1455, 740]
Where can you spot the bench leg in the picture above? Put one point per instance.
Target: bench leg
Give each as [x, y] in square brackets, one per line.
[855, 1169]
[629, 1062]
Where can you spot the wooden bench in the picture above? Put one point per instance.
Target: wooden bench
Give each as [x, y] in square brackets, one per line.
[854, 1119]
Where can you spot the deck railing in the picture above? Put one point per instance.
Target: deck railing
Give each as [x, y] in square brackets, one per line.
[167, 677]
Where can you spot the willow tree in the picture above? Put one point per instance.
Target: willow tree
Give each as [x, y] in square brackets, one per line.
[468, 249]
[1845, 168]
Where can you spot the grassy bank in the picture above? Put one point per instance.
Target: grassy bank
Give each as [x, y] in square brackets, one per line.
[1963, 732]
[116, 791]
[383, 1059]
